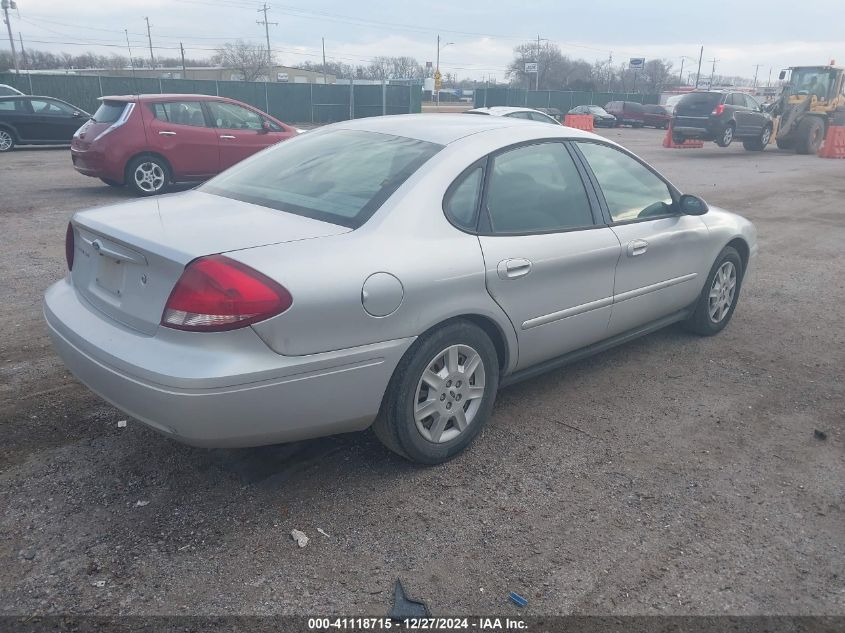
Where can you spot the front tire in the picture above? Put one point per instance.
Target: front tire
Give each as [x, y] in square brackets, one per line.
[718, 299]
[810, 135]
[441, 394]
[148, 175]
[7, 141]
[758, 144]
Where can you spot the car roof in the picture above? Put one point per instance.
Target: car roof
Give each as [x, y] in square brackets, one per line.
[447, 128]
[164, 97]
[500, 110]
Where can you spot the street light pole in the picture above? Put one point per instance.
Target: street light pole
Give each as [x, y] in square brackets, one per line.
[437, 68]
[698, 74]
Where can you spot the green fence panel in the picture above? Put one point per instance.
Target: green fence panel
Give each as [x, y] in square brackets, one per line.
[251, 92]
[397, 99]
[189, 86]
[128, 85]
[416, 99]
[80, 91]
[20, 82]
[367, 101]
[329, 103]
[291, 102]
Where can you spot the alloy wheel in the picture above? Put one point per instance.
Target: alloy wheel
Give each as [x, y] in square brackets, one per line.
[149, 176]
[722, 292]
[449, 393]
[728, 136]
[767, 135]
[5, 141]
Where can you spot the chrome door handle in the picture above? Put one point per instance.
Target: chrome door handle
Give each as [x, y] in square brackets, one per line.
[637, 247]
[165, 133]
[513, 268]
[227, 136]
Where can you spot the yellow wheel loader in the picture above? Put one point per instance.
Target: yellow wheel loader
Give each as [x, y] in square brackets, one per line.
[811, 101]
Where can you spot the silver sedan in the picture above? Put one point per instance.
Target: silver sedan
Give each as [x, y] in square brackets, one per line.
[393, 272]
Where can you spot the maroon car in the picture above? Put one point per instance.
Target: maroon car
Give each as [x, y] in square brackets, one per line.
[656, 116]
[149, 141]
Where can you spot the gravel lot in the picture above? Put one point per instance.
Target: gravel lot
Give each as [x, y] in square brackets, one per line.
[694, 486]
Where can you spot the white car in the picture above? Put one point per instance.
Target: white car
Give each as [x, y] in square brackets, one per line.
[515, 113]
[671, 102]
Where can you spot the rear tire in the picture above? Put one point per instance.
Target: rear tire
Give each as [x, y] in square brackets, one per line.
[418, 417]
[727, 136]
[718, 299]
[810, 135]
[7, 141]
[759, 143]
[148, 175]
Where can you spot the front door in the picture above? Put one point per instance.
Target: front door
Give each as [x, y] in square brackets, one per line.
[242, 132]
[662, 265]
[549, 262]
[54, 120]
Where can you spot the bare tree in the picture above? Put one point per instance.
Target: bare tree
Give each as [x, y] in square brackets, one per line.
[557, 71]
[249, 60]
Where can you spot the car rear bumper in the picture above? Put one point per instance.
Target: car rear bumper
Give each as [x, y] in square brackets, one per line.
[95, 164]
[223, 389]
[697, 127]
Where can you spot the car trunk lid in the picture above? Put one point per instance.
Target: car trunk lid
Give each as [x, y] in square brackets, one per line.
[698, 104]
[110, 114]
[128, 257]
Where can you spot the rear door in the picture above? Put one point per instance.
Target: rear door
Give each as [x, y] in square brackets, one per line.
[662, 260]
[15, 114]
[757, 120]
[180, 132]
[549, 260]
[242, 132]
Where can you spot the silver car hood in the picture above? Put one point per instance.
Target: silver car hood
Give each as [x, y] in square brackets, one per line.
[183, 226]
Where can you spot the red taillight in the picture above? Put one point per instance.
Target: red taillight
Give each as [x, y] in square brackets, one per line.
[69, 246]
[217, 293]
[719, 109]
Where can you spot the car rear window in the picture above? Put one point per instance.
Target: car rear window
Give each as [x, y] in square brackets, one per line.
[654, 109]
[109, 111]
[633, 106]
[700, 98]
[339, 176]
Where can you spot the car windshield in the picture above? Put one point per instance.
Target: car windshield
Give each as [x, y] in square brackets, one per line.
[109, 111]
[340, 176]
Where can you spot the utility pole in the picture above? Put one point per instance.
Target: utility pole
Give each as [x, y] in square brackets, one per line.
[713, 72]
[325, 80]
[23, 52]
[756, 69]
[10, 4]
[681, 74]
[537, 76]
[184, 70]
[769, 82]
[267, 24]
[150, 40]
[609, 70]
[698, 74]
[437, 72]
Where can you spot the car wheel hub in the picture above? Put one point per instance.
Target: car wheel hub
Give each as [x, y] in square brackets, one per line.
[767, 133]
[5, 140]
[149, 176]
[729, 134]
[449, 394]
[722, 292]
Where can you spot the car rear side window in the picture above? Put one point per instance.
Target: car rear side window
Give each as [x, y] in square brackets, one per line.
[338, 176]
[12, 105]
[631, 190]
[180, 113]
[109, 111]
[536, 189]
[462, 199]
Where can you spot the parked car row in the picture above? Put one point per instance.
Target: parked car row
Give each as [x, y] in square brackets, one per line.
[145, 142]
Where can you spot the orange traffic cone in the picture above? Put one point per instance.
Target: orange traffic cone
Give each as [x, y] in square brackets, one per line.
[834, 143]
[669, 142]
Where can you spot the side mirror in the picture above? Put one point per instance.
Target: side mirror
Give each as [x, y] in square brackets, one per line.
[265, 127]
[692, 205]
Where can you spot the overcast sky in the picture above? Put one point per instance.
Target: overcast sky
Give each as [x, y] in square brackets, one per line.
[740, 35]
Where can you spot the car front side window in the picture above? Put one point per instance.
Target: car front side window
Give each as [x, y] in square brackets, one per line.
[631, 190]
[234, 117]
[536, 188]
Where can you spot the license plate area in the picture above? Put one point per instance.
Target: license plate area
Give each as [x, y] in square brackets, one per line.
[110, 275]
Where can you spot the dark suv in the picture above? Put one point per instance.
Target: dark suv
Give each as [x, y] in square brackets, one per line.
[721, 117]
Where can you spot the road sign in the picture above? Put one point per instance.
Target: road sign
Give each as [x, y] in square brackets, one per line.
[437, 75]
[532, 67]
[636, 63]
[428, 64]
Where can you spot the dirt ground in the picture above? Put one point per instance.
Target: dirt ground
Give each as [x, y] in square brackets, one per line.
[695, 484]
